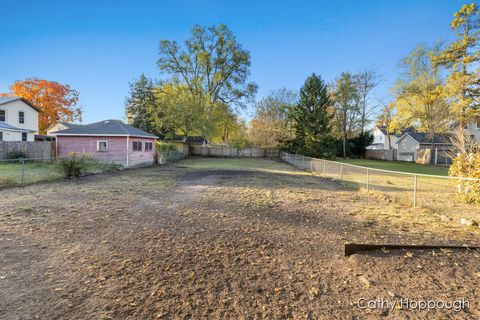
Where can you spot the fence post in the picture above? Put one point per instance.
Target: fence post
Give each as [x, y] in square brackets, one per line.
[324, 168]
[23, 171]
[341, 171]
[311, 165]
[303, 162]
[414, 191]
[368, 180]
[106, 165]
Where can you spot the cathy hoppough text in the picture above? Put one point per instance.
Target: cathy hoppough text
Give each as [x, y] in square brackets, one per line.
[411, 304]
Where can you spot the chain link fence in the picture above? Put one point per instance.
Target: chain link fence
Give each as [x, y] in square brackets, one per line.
[23, 171]
[429, 191]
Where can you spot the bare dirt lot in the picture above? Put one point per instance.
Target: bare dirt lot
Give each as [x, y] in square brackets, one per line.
[222, 239]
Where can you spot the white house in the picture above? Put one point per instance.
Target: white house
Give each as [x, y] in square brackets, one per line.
[381, 141]
[472, 129]
[410, 142]
[18, 119]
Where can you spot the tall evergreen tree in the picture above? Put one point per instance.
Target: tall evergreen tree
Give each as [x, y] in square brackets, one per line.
[140, 106]
[311, 120]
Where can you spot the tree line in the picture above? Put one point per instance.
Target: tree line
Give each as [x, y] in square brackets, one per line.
[438, 90]
[207, 85]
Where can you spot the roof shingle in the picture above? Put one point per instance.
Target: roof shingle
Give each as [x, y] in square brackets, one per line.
[9, 127]
[106, 127]
[425, 138]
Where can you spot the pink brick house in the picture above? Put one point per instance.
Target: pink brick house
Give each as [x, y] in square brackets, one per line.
[109, 140]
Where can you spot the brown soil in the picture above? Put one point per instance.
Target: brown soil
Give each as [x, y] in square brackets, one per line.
[176, 242]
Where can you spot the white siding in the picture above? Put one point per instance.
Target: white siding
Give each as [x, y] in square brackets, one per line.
[57, 127]
[380, 140]
[473, 130]
[12, 111]
[16, 136]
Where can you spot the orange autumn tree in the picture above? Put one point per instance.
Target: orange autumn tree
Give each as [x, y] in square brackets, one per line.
[56, 101]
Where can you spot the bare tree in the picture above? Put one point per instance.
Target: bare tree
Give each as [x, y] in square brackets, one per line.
[347, 107]
[463, 143]
[367, 80]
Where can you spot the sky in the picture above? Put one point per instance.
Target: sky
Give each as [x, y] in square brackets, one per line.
[98, 47]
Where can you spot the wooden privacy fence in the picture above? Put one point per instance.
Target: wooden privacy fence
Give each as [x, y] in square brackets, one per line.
[32, 149]
[388, 155]
[228, 152]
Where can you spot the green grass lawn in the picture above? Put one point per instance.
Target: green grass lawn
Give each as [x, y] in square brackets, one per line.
[11, 173]
[398, 166]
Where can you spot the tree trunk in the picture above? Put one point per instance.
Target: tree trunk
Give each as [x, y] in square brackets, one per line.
[364, 113]
[432, 148]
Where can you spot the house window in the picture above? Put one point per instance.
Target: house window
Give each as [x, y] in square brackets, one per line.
[478, 125]
[1, 136]
[24, 136]
[102, 146]
[2, 115]
[466, 126]
[148, 146]
[137, 146]
[21, 117]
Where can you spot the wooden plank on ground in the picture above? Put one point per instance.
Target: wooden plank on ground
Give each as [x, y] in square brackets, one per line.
[352, 248]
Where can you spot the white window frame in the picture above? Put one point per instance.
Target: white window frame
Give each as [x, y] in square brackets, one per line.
[476, 124]
[4, 114]
[98, 145]
[26, 136]
[1, 135]
[19, 112]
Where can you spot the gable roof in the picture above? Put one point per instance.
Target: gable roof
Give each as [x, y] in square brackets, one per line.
[383, 129]
[7, 99]
[105, 128]
[425, 138]
[9, 127]
[66, 124]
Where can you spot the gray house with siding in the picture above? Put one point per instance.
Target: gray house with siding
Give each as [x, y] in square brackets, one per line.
[409, 144]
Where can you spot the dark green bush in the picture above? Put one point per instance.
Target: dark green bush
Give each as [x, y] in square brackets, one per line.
[355, 147]
[16, 155]
[165, 146]
[74, 166]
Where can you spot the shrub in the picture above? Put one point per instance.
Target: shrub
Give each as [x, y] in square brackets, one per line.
[7, 182]
[240, 143]
[467, 165]
[74, 166]
[165, 147]
[16, 155]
